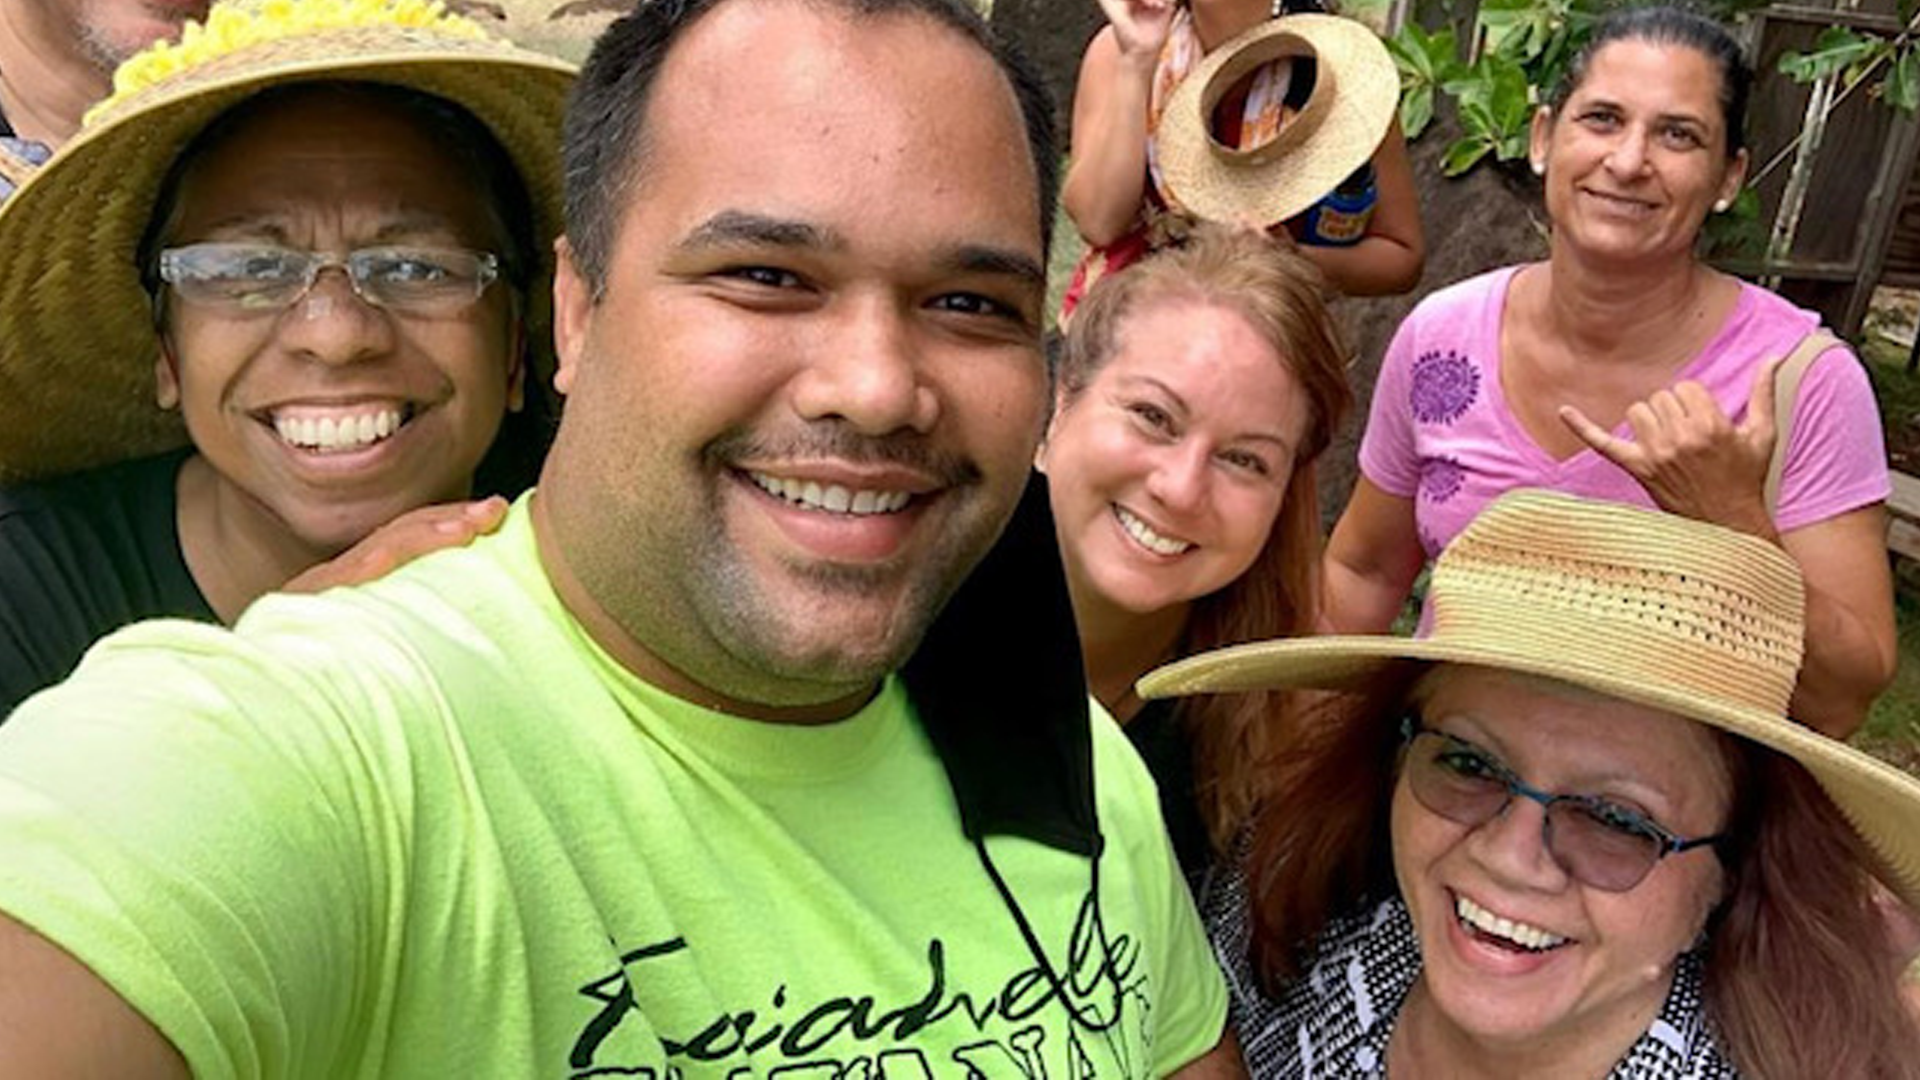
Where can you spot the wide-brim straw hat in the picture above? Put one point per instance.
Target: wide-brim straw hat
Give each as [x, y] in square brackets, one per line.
[77, 339]
[1689, 618]
[1356, 91]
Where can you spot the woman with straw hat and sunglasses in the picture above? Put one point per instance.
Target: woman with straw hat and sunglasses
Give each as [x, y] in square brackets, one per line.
[1572, 832]
[1268, 113]
[281, 291]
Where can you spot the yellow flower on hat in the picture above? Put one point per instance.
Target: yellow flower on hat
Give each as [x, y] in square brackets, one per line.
[234, 25]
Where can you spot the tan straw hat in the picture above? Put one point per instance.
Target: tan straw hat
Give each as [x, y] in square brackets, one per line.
[1693, 619]
[1356, 89]
[77, 341]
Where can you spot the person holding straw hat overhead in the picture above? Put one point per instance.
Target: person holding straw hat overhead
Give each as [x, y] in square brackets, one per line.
[1572, 832]
[1251, 112]
[283, 289]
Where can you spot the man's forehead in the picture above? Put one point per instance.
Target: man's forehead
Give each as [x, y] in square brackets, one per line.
[834, 59]
[871, 96]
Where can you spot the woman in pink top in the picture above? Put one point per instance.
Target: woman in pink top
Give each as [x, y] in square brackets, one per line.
[1624, 368]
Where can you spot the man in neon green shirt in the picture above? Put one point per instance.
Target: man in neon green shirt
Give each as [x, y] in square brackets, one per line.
[708, 763]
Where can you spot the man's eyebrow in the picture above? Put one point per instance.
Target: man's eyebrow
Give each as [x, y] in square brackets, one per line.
[739, 228]
[1003, 262]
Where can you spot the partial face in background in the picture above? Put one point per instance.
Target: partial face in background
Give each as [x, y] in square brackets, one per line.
[1168, 470]
[1570, 961]
[1637, 157]
[107, 32]
[808, 398]
[334, 415]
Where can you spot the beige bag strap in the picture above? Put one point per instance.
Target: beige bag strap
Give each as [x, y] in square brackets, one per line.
[1786, 387]
[14, 169]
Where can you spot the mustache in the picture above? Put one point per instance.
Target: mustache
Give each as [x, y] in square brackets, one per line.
[835, 440]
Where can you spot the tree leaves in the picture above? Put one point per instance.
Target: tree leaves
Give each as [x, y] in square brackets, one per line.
[1426, 61]
[1855, 57]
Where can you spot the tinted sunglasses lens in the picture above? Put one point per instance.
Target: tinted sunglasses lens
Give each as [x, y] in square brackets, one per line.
[1451, 782]
[1601, 854]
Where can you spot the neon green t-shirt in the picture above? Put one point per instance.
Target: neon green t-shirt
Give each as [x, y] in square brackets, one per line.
[427, 828]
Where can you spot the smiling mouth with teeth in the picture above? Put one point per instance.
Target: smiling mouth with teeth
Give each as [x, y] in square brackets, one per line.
[1144, 535]
[347, 431]
[1484, 925]
[832, 498]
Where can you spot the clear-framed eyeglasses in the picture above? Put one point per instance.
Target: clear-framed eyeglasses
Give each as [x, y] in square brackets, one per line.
[262, 279]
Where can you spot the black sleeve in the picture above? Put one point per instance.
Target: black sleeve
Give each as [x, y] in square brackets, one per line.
[46, 616]
[81, 557]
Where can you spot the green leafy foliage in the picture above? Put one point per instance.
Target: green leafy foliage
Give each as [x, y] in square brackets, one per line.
[1902, 87]
[1426, 62]
[1836, 49]
[1856, 56]
[1495, 108]
[1528, 45]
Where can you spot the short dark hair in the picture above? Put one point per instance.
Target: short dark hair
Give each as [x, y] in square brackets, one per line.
[603, 150]
[1673, 26]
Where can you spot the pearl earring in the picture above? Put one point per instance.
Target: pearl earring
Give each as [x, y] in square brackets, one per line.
[1720, 205]
[1539, 167]
[1278, 7]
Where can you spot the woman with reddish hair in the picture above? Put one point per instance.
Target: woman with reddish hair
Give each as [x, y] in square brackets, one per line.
[1196, 392]
[1573, 831]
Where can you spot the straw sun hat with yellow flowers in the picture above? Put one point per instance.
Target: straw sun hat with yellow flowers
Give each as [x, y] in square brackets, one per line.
[77, 341]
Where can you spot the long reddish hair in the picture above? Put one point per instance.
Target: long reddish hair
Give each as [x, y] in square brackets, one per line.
[1284, 297]
[1801, 977]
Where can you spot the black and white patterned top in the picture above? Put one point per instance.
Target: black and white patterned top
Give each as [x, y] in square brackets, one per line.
[1335, 1020]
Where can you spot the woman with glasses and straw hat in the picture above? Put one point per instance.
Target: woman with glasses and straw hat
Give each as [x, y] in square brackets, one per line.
[1267, 113]
[283, 289]
[1625, 368]
[1573, 832]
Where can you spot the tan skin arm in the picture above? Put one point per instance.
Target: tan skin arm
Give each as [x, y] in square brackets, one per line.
[1106, 178]
[1223, 1062]
[1389, 258]
[1851, 641]
[1371, 562]
[60, 1022]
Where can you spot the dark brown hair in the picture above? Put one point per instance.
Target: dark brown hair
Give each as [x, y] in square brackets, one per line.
[1283, 297]
[1672, 26]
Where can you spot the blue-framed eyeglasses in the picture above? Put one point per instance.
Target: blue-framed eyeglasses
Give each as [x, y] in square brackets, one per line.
[1597, 841]
[261, 279]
